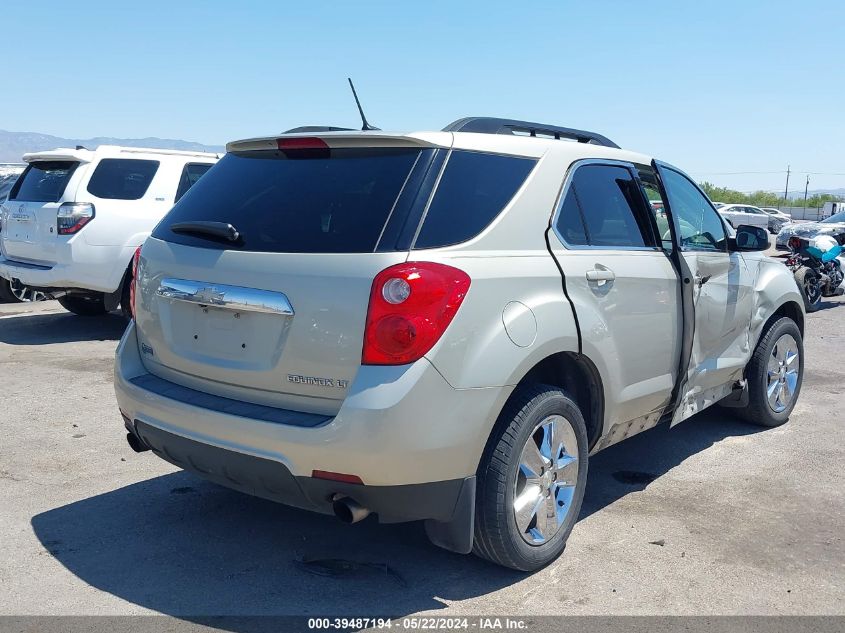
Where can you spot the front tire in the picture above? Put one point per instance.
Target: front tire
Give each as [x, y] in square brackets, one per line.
[84, 305]
[531, 479]
[775, 374]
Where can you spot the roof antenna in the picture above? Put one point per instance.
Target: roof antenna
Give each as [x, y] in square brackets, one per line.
[366, 126]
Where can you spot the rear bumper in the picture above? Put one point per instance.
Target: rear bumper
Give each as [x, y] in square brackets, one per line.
[98, 268]
[403, 430]
[272, 480]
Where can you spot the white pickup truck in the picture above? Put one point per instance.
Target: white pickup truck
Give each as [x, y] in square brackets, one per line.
[74, 218]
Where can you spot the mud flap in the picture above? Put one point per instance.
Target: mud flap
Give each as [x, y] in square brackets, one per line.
[112, 299]
[456, 535]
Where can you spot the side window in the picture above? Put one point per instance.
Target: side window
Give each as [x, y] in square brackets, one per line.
[473, 190]
[700, 227]
[609, 205]
[570, 222]
[122, 178]
[658, 206]
[190, 175]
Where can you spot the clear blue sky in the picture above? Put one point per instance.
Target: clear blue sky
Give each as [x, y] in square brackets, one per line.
[713, 87]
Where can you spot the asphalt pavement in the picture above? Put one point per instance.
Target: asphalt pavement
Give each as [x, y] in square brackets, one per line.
[711, 517]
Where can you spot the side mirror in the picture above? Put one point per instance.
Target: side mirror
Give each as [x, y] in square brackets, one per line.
[749, 238]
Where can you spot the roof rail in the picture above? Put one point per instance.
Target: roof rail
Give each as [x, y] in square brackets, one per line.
[316, 128]
[491, 125]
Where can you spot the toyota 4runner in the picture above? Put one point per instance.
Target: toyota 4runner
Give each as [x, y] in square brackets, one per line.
[443, 326]
[75, 217]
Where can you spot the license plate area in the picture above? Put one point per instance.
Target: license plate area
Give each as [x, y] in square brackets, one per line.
[224, 337]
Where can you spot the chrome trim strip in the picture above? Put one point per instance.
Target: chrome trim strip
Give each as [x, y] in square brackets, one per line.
[235, 298]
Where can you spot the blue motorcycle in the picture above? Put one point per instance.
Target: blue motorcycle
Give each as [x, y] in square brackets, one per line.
[818, 273]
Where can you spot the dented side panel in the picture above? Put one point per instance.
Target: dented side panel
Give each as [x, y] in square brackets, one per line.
[763, 286]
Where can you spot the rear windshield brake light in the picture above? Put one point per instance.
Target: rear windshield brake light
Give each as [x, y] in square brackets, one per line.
[308, 142]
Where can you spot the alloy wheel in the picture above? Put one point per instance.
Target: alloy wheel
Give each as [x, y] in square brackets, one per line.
[25, 293]
[545, 480]
[783, 373]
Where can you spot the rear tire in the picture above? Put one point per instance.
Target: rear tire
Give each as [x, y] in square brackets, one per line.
[84, 305]
[531, 479]
[773, 388]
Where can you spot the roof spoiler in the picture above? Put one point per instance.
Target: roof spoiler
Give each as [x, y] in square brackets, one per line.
[491, 125]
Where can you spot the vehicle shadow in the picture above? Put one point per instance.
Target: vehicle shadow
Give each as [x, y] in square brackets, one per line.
[180, 546]
[63, 327]
[631, 465]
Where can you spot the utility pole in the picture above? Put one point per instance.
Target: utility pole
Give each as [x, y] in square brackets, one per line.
[807, 184]
[786, 189]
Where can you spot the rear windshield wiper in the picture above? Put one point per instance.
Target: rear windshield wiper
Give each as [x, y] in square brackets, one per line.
[219, 230]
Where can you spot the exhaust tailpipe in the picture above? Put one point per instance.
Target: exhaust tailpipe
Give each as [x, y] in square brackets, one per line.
[348, 510]
[136, 444]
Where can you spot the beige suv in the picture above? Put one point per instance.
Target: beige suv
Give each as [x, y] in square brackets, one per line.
[443, 326]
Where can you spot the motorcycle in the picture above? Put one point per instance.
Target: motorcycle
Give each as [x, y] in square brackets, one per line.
[816, 269]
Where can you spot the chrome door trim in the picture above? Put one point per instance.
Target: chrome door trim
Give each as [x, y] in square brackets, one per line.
[235, 298]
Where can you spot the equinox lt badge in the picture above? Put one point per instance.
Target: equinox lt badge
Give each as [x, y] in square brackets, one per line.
[319, 382]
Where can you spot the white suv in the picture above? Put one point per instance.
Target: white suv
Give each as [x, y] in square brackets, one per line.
[442, 326]
[74, 218]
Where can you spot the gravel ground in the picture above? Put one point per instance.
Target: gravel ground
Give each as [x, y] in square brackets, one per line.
[712, 517]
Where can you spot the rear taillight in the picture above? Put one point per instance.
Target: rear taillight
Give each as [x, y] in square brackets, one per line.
[72, 216]
[411, 305]
[133, 288]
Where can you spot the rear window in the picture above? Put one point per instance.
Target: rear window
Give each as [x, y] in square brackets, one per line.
[474, 189]
[299, 202]
[122, 178]
[43, 181]
[190, 175]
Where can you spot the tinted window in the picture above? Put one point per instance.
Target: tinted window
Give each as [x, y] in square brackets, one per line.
[473, 190]
[700, 227]
[122, 178]
[43, 181]
[658, 206]
[190, 175]
[570, 222]
[297, 202]
[611, 206]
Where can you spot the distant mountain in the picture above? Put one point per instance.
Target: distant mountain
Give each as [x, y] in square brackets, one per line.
[13, 145]
[840, 193]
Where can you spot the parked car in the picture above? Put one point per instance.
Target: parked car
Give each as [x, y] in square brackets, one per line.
[833, 226]
[443, 326]
[737, 214]
[777, 219]
[8, 175]
[75, 217]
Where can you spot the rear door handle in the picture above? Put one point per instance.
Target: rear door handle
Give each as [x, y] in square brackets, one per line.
[600, 274]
